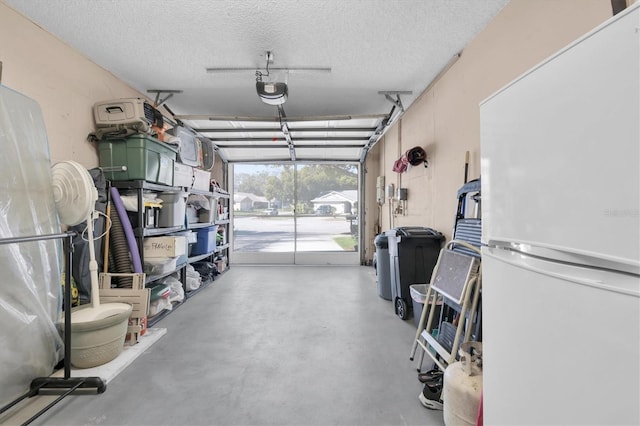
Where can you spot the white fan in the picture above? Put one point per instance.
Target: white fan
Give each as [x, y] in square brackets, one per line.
[75, 196]
[73, 192]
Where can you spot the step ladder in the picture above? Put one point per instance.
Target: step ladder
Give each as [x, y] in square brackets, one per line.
[456, 282]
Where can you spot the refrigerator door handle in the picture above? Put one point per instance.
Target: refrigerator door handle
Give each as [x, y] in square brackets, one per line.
[567, 256]
[519, 260]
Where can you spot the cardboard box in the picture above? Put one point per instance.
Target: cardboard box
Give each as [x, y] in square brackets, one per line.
[221, 264]
[167, 246]
[137, 328]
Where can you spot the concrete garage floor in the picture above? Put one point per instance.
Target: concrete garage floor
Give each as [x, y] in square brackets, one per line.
[269, 345]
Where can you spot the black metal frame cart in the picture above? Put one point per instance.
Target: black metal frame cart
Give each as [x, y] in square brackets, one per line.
[65, 385]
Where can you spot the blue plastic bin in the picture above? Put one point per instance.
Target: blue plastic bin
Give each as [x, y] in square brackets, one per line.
[206, 242]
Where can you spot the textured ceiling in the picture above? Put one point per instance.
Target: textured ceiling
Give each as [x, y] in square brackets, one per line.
[370, 46]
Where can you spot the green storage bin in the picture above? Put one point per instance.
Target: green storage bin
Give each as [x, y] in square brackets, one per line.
[144, 156]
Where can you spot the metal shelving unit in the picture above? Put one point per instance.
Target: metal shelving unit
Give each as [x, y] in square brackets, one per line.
[151, 232]
[200, 257]
[198, 225]
[222, 247]
[140, 232]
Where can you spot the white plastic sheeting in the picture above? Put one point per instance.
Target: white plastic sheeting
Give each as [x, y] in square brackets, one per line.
[30, 290]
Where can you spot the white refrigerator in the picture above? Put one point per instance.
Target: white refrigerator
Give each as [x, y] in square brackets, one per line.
[561, 237]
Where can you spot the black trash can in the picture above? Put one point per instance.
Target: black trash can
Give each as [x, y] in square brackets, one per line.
[413, 253]
[383, 272]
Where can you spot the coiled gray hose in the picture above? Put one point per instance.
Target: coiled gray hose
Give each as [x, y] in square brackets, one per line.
[120, 250]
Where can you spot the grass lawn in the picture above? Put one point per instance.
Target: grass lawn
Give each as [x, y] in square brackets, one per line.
[347, 243]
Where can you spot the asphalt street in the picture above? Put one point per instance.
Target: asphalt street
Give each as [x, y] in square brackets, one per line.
[276, 233]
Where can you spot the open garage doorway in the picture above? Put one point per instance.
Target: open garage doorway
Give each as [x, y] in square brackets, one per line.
[302, 213]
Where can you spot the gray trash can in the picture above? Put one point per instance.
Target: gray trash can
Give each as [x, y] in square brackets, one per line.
[413, 253]
[381, 262]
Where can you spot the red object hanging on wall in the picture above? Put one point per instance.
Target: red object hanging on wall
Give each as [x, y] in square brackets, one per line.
[414, 156]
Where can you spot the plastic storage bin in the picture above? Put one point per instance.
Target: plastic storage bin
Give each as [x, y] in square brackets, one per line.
[413, 253]
[150, 218]
[173, 211]
[182, 175]
[142, 157]
[160, 265]
[188, 146]
[383, 273]
[201, 180]
[206, 241]
[190, 238]
[418, 296]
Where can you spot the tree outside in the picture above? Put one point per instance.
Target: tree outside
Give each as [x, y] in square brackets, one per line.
[276, 182]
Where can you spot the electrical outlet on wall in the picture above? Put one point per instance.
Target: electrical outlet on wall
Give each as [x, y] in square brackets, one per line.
[390, 190]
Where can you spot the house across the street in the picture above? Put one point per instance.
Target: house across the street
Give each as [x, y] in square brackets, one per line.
[341, 202]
